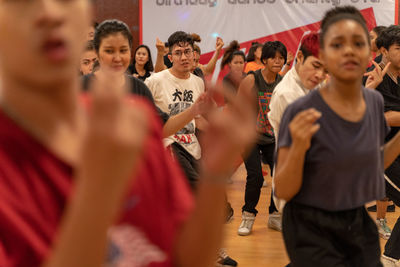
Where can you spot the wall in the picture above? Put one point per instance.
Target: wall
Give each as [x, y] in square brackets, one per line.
[125, 10]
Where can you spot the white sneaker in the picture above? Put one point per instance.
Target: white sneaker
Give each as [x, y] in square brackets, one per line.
[389, 262]
[383, 229]
[247, 223]
[275, 221]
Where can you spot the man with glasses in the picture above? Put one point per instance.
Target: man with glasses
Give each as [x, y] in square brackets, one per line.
[174, 90]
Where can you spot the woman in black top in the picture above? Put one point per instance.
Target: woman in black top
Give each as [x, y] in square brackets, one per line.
[142, 64]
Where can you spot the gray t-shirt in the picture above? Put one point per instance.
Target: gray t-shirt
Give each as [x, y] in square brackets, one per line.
[343, 168]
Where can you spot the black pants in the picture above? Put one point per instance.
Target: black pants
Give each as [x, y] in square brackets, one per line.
[190, 167]
[392, 247]
[315, 237]
[255, 179]
[188, 163]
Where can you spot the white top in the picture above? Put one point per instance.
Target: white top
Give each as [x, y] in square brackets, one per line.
[173, 95]
[286, 92]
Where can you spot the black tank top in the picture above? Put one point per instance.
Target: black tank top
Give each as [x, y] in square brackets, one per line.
[264, 93]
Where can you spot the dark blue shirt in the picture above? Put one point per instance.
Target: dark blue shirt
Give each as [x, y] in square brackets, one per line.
[343, 168]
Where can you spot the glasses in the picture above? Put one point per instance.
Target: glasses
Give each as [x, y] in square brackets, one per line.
[188, 53]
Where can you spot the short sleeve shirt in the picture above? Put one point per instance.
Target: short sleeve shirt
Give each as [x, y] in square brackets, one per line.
[173, 95]
[35, 186]
[343, 169]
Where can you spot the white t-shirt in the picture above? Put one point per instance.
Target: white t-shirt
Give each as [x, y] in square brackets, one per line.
[173, 95]
[286, 92]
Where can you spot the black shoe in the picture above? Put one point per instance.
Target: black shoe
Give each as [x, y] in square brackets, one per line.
[225, 260]
[390, 208]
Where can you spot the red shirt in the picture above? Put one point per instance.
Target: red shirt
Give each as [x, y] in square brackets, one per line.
[35, 186]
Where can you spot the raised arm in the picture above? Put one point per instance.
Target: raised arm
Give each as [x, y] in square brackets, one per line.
[209, 68]
[159, 66]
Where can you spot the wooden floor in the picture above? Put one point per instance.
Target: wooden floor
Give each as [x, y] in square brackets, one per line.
[264, 247]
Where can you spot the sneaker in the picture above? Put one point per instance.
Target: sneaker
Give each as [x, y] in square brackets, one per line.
[224, 259]
[389, 262]
[275, 221]
[247, 223]
[383, 229]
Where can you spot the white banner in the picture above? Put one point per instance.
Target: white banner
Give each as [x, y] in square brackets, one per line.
[248, 20]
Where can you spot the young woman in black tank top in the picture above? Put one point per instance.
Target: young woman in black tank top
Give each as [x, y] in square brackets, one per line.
[261, 83]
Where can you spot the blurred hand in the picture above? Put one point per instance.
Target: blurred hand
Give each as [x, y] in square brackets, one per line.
[115, 137]
[204, 104]
[229, 132]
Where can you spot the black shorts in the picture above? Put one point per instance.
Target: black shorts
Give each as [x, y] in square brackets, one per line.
[315, 237]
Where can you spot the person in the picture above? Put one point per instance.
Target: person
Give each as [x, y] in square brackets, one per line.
[234, 58]
[389, 88]
[78, 179]
[373, 35]
[329, 162]
[261, 84]
[142, 64]
[372, 79]
[174, 91]
[92, 29]
[88, 59]
[112, 43]
[306, 75]
[253, 58]
[201, 70]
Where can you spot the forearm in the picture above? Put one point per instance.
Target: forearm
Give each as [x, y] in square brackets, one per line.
[209, 68]
[392, 150]
[393, 118]
[289, 176]
[201, 237]
[159, 66]
[178, 121]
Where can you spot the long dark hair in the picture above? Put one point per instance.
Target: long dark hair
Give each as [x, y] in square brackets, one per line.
[148, 67]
